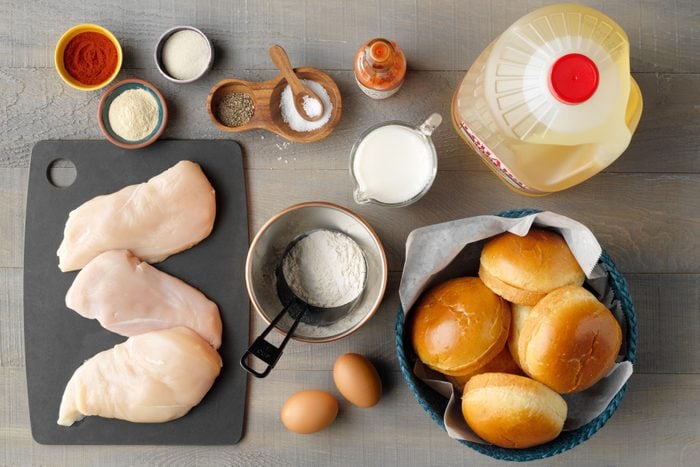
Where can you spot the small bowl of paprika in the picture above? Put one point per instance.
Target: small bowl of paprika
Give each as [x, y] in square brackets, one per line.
[88, 57]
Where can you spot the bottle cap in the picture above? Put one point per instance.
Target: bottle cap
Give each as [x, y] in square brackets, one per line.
[573, 78]
[380, 51]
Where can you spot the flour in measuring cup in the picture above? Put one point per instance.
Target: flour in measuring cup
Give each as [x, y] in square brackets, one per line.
[325, 269]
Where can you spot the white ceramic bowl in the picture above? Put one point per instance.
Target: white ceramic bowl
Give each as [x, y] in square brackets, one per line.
[159, 52]
[266, 252]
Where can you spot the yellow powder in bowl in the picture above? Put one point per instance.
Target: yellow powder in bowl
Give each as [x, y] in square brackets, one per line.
[133, 115]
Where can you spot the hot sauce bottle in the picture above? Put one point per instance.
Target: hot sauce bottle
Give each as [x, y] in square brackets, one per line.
[380, 67]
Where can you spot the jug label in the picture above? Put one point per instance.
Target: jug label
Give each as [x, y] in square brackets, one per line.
[494, 161]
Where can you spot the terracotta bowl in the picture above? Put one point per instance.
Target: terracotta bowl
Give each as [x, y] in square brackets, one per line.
[111, 94]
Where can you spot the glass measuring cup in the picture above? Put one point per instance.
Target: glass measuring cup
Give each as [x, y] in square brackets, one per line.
[394, 163]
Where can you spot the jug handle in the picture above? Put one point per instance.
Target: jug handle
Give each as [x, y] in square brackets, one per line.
[634, 111]
[430, 124]
[633, 114]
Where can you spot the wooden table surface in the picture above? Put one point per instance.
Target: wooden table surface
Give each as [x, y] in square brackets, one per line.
[644, 208]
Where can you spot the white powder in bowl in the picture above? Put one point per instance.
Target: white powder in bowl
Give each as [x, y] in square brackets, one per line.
[295, 121]
[133, 114]
[325, 269]
[185, 54]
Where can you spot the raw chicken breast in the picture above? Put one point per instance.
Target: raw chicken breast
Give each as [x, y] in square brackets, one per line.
[131, 297]
[170, 213]
[154, 377]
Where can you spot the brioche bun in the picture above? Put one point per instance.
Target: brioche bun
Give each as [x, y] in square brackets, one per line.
[459, 326]
[501, 363]
[568, 341]
[524, 269]
[512, 411]
[519, 314]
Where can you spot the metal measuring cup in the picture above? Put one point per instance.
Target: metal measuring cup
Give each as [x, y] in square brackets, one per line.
[299, 310]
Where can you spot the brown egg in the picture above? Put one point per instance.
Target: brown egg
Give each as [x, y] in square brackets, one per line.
[357, 380]
[309, 411]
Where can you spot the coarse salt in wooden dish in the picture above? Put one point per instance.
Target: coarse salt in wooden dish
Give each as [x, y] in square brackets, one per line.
[435, 404]
[267, 98]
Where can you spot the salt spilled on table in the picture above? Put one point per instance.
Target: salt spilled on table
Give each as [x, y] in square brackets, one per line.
[312, 107]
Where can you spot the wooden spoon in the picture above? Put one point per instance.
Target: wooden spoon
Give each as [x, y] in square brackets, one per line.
[299, 91]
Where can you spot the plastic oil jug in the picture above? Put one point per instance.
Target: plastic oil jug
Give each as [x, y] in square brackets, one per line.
[550, 102]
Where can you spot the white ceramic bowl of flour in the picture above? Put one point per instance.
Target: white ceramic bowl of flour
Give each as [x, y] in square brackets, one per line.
[266, 252]
[184, 54]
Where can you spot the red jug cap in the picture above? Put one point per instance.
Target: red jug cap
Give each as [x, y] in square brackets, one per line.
[573, 78]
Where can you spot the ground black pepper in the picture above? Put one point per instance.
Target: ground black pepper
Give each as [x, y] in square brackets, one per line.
[235, 109]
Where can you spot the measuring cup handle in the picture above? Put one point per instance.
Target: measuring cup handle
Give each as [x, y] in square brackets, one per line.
[267, 352]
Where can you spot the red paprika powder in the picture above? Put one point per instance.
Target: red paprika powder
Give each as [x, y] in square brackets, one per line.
[90, 57]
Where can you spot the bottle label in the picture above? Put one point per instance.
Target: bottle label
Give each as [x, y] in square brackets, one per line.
[375, 94]
[493, 160]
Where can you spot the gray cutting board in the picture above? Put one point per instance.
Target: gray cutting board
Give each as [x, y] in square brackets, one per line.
[57, 340]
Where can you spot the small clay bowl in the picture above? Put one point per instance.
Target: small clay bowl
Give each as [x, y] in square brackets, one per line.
[158, 55]
[61, 48]
[266, 97]
[111, 94]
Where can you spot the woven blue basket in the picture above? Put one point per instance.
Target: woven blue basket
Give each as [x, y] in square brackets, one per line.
[435, 404]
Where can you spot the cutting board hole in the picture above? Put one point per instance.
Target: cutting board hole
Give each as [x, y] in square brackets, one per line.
[61, 173]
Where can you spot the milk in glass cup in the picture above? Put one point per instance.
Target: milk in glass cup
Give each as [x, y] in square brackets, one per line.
[394, 163]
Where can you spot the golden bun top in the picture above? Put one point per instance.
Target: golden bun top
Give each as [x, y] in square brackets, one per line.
[512, 411]
[524, 269]
[569, 340]
[459, 325]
